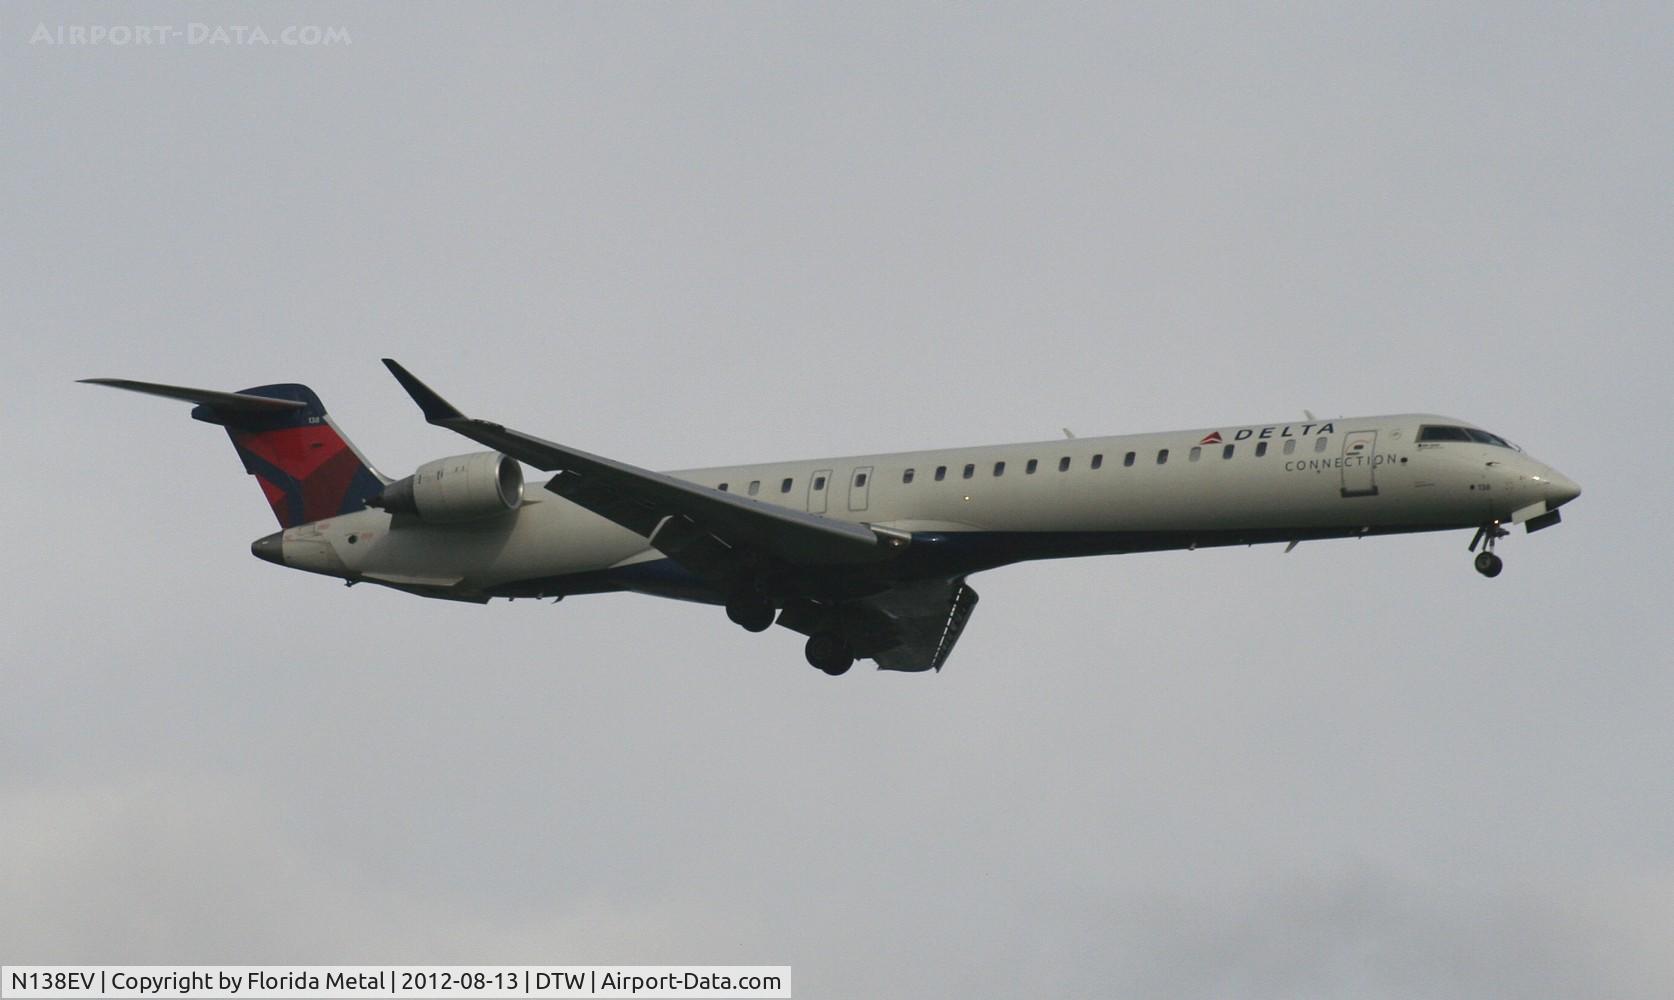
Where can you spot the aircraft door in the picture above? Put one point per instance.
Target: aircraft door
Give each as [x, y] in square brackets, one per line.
[860, 487]
[818, 484]
[1360, 464]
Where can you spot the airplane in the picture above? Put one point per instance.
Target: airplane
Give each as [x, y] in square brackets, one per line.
[867, 556]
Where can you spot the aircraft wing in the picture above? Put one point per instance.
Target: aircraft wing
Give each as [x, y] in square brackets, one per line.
[911, 626]
[700, 527]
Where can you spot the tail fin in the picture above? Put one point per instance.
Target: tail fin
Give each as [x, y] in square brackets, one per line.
[307, 469]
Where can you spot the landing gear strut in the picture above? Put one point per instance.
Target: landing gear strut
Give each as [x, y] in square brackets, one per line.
[753, 611]
[1487, 563]
[828, 652]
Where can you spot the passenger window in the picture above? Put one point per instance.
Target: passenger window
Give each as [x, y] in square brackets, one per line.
[970, 470]
[819, 482]
[1290, 447]
[999, 468]
[1261, 448]
[907, 476]
[1228, 450]
[722, 487]
[1196, 453]
[860, 479]
[1320, 443]
[785, 486]
[1162, 457]
[1127, 459]
[941, 473]
[755, 486]
[1031, 467]
[1098, 460]
[1063, 464]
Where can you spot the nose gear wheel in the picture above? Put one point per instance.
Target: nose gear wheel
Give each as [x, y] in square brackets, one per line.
[1487, 563]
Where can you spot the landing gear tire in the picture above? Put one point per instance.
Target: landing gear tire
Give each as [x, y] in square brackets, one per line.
[1487, 563]
[753, 613]
[829, 653]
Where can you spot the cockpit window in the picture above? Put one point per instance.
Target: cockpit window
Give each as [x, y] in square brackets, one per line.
[1434, 433]
[1438, 432]
[1483, 437]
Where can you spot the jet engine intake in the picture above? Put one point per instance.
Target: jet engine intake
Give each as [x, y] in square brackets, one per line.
[459, 488]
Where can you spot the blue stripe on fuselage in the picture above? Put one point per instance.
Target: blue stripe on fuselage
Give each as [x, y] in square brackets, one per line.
[932, 555]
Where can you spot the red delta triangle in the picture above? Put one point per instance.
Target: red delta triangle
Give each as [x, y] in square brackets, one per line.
[1213, 437]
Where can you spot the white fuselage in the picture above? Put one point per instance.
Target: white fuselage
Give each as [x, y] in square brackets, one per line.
[972, 508]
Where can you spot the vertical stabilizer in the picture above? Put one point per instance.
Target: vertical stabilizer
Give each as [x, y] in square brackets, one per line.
[307, 469]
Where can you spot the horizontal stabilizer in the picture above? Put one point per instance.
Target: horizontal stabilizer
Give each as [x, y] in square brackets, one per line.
[307, 470]
[226, 402]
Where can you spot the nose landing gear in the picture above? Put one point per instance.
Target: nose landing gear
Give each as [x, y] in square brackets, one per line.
[1487, 563]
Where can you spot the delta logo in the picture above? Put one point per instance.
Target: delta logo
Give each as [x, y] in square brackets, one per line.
[1273, 431]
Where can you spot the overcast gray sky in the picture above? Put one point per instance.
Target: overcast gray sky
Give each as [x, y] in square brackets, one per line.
[683, 235]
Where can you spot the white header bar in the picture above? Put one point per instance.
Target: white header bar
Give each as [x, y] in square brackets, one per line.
[411, 982]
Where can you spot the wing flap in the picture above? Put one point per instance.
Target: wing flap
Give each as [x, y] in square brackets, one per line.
[911, 626]
[928, 619]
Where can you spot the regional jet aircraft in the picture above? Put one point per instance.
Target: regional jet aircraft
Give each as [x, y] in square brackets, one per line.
[866, 555]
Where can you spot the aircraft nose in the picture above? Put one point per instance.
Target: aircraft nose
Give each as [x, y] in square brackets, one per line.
[1560, 489]
[269, 548]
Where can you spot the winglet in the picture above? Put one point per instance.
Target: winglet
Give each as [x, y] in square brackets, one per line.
[436, 409]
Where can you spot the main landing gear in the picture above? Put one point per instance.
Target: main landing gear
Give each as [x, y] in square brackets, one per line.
[1487, 563]
[828, 652]
[752, 611]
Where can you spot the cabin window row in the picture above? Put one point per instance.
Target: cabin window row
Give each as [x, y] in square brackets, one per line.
[1029, 468]
[1230, 450]
[786, 484]
[1128, 460]
[1033, 465]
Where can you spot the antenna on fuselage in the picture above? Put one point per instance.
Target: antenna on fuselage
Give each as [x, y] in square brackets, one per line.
[1069, 433]
[1310, 415]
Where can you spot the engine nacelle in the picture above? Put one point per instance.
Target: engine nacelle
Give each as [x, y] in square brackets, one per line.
[460, 488]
